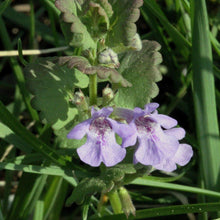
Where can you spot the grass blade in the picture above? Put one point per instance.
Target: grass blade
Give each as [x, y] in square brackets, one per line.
[29, 189]
[172, 186]
[204, 96]
[35, 169]
[176, 36]
[39, 210]
[166, 211]
[8, 119]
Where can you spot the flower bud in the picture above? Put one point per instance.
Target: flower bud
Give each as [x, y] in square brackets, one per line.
[107, 95]
[80, 101]
[126, 202]
[108, 56]
[136, 43]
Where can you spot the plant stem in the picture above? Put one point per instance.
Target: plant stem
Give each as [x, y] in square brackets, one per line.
[115, 202]
[93, 89]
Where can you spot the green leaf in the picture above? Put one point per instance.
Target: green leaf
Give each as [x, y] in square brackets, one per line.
[9, 136]
[165, 211]
[52, 86]
[113, 174]
[87, 186]
[24, 203]
[106, 6]
[172, 186]
[47, 170]
[39, 210]
[68, 6]
[204, 96]
[141, 69]
[83, 65]
[123, 30]
[74, 30]
[56, 211]
[51, 195]
[96, 20]
[180, 41]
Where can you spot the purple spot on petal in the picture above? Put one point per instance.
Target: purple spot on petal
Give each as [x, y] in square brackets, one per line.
[145, 124]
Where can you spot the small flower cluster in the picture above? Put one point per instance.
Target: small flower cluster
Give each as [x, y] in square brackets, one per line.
[154, 135]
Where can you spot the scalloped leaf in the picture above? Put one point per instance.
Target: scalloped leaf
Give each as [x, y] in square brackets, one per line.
[83, 21]
[126, 13]
[87, 187]
[69, 5]
[74, 30]
[82, 64]
[106, 6]
[52, 86]
[95, 18]
[140, 68]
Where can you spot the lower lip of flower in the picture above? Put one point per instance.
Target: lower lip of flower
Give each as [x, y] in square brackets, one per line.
[100, 126]
[145, 124]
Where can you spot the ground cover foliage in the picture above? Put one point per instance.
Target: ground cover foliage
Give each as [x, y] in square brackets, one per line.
[49, 89]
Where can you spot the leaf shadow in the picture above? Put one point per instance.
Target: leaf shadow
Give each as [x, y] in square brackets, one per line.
[51, 86]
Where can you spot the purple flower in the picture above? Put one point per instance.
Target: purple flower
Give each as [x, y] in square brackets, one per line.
[158, 140]
[101, 145]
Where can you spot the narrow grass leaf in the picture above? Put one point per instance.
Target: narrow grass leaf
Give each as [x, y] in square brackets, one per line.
[54, 187]
[204, 96]
[152, 183]
[9, 136]
[39, 210]
[59, 201]
[176, 36]
[166, 211]
[35, 169]
[8, 119]
[29, 190]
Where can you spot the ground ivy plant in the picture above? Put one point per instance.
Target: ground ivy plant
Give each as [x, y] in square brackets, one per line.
[97, 100]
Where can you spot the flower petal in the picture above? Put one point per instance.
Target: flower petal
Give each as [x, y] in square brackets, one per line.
[79, 131]
[112, 153]
[151, 107]
[90, 152]
[138, 112]
[178, 133]
[123, 130]
[166, 165]
[104, 112]
[168, 145]
[164, 120]
[147, 152]
[183, 155]
[124, 113]
[129, 141]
